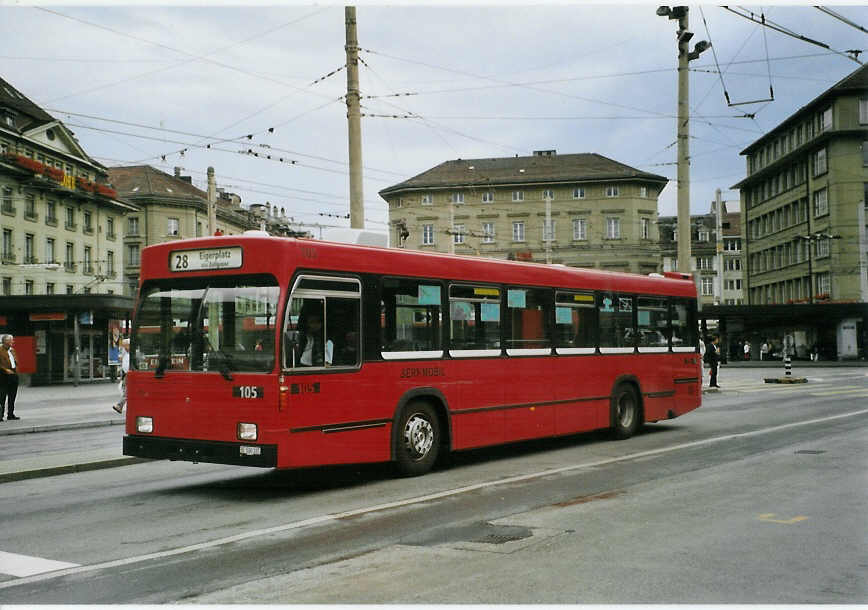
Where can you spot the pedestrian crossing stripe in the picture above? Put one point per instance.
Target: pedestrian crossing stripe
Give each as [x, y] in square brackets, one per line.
[13, 564]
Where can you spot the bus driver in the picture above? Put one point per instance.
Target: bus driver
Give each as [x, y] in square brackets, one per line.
[313, 352]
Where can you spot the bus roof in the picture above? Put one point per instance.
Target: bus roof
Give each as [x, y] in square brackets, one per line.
[282, 255]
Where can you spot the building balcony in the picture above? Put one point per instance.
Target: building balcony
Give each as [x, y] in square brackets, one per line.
[32, 216]
[8, 258]
[8, 210]
[70, 267]
[70, 226]
[51, 221]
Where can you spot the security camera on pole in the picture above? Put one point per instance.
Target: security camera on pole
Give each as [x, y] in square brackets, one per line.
[684, 56]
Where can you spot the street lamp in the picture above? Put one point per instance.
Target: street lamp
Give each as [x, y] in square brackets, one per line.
[683, 36]
[812, 239]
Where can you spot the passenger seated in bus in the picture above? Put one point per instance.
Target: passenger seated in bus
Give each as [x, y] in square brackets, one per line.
[349, 351]
[312, 352]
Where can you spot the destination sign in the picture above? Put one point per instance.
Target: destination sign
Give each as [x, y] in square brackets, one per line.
[206, 259]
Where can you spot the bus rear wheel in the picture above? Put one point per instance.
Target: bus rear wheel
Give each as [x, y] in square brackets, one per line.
[626, 414]
[418, 439]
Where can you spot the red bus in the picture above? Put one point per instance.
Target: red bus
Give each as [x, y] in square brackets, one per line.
[285, 353]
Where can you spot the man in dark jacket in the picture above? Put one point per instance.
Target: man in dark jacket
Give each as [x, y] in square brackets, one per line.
[712, 353]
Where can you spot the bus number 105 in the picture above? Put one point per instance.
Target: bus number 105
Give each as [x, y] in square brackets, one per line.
[248, 391]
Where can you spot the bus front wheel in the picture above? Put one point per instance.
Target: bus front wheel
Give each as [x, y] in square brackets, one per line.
[626, 414]
[418, 439]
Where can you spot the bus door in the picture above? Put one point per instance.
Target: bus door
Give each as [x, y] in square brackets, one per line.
[326, 403]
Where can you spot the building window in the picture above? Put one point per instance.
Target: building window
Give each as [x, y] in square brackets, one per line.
[29, 206]
[49, 250]
[110, 263]
[645, 228]
[822, 247]
[458, 234]
[548, 194]
[29, 256]
[173, 226]
[427, 235]
[865, 153]
[7, 199]
[133, 255]
[863, 111]
[703, 235]
[199, 229]
[8, 247]
[518, 195]
[7, 286]
[487, 232]
[49, 288]
[427, 199]
[707, 286]
[820, 162]
[487, 197]
[824, 283]
[88, 263]
[612, 190]
[28, 287]
[69, 261]
[824, 120]
[643, 191]
[580, 229]
[579, 192]
[70, 217]
[70, 289]
[132, 226]
[51, 212]
[704, 263]
[613, 228]
[110, 227]
[457, 198]
[821, 202]
[551, 232]
[518, 231]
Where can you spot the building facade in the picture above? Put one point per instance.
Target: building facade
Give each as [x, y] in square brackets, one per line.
[602, 213]
[169, 208]
[715, 246]
[803, 202]
[62, 257]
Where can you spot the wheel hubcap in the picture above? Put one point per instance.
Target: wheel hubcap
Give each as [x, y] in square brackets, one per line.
[418, 436]
[625, 411]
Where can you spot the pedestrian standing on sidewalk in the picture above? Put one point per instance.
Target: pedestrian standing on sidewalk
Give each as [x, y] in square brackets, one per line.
[712, 352]
[125, 368]
[8, 378]
[764, 351]
[747, 350]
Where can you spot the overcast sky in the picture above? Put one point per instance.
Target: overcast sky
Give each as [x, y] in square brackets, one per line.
[139, 83]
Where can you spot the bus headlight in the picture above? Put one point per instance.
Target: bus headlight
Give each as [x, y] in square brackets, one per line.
[144, 424]
[247, 432]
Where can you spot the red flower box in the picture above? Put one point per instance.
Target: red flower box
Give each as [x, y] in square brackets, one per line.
[85, 184]
[106, 191]
[54, 173]
[27, 163]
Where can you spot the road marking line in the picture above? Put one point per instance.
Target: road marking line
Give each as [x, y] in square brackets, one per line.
[770, 518]
[842, 391]
[331, 517]
[13, 564]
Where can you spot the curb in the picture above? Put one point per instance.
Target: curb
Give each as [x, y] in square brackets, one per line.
[69, 468]
[56, 427]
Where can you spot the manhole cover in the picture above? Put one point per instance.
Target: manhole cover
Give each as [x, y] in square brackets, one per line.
[809, 452]
[500, 538]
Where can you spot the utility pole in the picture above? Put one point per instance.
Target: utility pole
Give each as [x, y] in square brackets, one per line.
[683, 130]
[354, 120]
[547, 232]
[718, 210]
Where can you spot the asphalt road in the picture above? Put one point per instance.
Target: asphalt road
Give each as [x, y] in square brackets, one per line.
[757, 497]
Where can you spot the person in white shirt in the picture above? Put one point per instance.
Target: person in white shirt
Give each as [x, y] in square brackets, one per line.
[8, 378]
[313, 351]
[125, 368]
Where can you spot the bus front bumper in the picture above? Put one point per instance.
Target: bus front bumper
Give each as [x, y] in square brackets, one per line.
[215, 452]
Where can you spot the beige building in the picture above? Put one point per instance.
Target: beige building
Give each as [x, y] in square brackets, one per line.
[602, 213]
[804, 201]
[171, 208]
[62, 256]
[715, 246]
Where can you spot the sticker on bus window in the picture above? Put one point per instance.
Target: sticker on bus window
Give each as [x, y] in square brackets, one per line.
[461, 310]
[490, 312]
[625, 304]
[429, 295]
[607, 305]
[516, 298]
[564, 315]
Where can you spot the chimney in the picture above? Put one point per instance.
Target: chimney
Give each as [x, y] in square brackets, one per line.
[212, 202]
[268, 209]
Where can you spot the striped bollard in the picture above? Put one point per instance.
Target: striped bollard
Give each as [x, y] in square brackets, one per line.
[788, 365]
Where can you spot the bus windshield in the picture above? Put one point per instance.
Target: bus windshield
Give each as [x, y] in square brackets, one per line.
[206, 324]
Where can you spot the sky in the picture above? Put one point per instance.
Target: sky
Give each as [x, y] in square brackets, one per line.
[194, 86]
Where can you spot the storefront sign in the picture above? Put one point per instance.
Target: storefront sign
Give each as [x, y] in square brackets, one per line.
[206, 259]
[45, 317]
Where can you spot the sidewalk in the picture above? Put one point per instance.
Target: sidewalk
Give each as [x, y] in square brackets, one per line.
[62, 407]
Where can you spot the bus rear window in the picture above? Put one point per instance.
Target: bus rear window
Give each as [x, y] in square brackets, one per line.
[209, 324]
